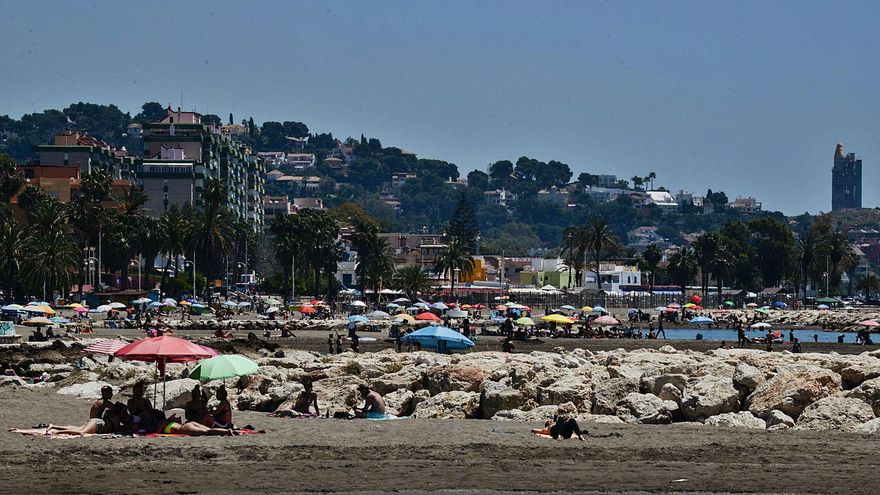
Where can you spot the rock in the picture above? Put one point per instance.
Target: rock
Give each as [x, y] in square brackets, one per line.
[449, 405]
[6, 381]
[538, 414]
[91, 390]
[399, 402]
[708, 396]
[871, 427]
[667, 349]
[855, 374]
[338, 393]
[652, 384]
[609, 393]
[743, 419]
[583, 419]
[496, 397]
[409, 378]
[835, 413]
[644, 409]
[453, 378]
[177, 393]
[748, 377]
[40, 368]
[792, 389]
[868, 391]
[574, 389]
[671, 393]
[779, 418]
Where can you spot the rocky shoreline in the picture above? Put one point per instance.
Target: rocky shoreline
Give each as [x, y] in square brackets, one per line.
[723, 387]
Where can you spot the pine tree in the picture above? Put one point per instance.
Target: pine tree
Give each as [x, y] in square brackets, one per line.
[252, 129]
[231, 121]
[463, 225]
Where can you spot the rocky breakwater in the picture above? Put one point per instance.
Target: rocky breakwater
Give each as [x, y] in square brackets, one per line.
[720, 388]
[829, 319]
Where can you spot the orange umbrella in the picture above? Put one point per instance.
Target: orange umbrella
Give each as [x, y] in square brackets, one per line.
[428, 317]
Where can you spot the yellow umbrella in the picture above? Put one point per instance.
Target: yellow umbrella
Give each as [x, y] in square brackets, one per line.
[74, 305]
[557, 318]
[587, 309]
[405, 317]
[185, 303]
[37, 321]
[525, 321]
[46, 309]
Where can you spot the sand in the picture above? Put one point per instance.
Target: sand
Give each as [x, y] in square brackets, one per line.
[338, 455]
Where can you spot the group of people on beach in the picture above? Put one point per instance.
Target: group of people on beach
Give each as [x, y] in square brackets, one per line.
[138, 416]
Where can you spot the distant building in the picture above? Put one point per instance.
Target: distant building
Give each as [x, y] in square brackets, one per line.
[554, 195]
[613, 277]
[745, 205]
[846, 180]
[661, 199]
[606, 180]
[301, 161]
[274, 206]
[82, 152]
[308, 204]
[500, 197]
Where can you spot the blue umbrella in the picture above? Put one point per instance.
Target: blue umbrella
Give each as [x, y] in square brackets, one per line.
[700, 320]
[59, 319]
[358, 319]
[779, 304]
[599, 309]
[430, 337]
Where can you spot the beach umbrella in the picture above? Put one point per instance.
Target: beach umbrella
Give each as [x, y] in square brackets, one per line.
[439, 305]
[37, 321]
[12, 307]
[822, 306]
[184, 303]
[358, 318]
[38, 303]
[761, 324]
[466, 306]
[392, 305]
[696, 299]
[689, 305]
[456, 313]
[271, 310]
[169, 302]
[430, 337]
[59, 320]
[117, 305]
[729, 304]
[39, 309]
[222, 367]
[142, 300]
[697, 307]
[403, 317]
[501, 307]
[674, 305]
[701, 320]
[598, 309]
[377, 315]
[762, 311]
[510, 304]
[108, 347]
[525, 321]
[163, 350]
[567, 307]
[779, 304]
[557, 319]
[359, 304]
[427, 317]
[308, 310]
[155, 304]
[81, 310]
[869, 323]
[230, 304]
[587, 309]
[751, 305]
[244, 304]
[478, 306]
[103, 308]
[401, 300]
[660, 309]
[606, 320]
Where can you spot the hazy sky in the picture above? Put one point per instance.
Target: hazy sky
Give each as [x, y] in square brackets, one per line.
[745, 97]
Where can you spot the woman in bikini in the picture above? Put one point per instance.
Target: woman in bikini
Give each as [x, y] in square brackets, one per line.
[221, 415]
[193, 428]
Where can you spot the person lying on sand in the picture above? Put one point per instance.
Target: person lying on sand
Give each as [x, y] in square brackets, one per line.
[114, 423]
[374, 404]
[561, 427]
[192, 428]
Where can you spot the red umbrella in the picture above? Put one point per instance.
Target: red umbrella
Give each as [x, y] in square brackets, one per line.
[696, 299]
[307, 310]
[108, 347]
[428, 317]
[162, 350]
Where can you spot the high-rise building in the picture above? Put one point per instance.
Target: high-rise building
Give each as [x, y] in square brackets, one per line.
[846, 180]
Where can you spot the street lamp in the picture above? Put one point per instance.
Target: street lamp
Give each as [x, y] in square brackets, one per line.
[193, 263]
[456, 271]
[138, 263]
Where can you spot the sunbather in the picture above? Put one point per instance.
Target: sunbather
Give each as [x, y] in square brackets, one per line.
[561, 427]
[303, 405]
[221, 415]
[102, 405]
[192, 428]
[114, 423]
[197, 407]
[374, 404]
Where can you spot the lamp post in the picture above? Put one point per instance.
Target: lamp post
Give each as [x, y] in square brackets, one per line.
[138, 263]
[193, 263]
[292, 276]
[455, 273]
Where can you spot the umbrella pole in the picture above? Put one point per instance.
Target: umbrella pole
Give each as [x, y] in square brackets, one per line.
[163, 386]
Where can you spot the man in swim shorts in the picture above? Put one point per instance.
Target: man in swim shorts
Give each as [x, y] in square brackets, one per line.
[374, 404]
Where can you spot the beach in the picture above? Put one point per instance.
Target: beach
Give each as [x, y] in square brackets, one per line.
[296, 456]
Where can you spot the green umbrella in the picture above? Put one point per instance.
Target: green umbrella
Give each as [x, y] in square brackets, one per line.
[729, 304]
[525, 321]
[223, 366]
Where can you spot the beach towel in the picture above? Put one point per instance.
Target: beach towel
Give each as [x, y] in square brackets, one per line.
[41, 432]
[237, 432]
[543, 435]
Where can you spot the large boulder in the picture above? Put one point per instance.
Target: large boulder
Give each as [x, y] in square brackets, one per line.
[453, 377]
[868, 391]
[449, 405]
[778, 420]
[653, 384]
[338, 393]
[643, 408]
[747, 377]
[835, 413]
[176, 392]
[742, 419]
[610, 392]
[792, 389]
[90, 390]
[870, 428]
[540, 413]
[496, 397]
[409, 378]
[708, 396]
[570, 388]
[857, 373]
[399, 402]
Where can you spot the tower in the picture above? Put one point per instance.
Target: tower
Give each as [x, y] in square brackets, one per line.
[846, 180]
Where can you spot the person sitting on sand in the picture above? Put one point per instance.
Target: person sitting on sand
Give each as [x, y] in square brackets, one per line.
[306, 400]
[222, 334]
[138, 405]
[561, 428]
[197, 407]
[220, 416]
[168, 426]
[103, 405]
[374, 404]
[507, 345]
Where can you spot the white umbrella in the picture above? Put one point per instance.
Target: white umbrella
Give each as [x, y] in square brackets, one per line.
[142, 300]
[440, 306]
[359, 304]
[169, 302]
[273, 309]
[117, 305]
[103, 308]
[761, 325]
[457, 313]
[377, 315]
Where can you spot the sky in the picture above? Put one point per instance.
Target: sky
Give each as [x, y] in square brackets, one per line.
[748, 97]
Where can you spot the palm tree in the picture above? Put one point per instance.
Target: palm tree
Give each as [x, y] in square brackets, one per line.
[599, 241]
[683, 268]
[454, 258]
[53, 257]
[651, 176]
[13, 244]
[11, 179]
[411, 280]
[720, 266]
[637, 181]
[651, 258]
[869, 284]
[573, 251]
[375, 260]
[174, 229]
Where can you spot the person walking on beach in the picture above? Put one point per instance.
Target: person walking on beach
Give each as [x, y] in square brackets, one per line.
[660, 330]
[330, 344]
[796, 346]
[740, 335]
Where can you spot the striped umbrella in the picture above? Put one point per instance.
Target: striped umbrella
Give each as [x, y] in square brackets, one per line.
[109, 346]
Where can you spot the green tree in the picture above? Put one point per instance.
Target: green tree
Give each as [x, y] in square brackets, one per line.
[412, 281]
[683, 268]
[375, 261]
[455, 257]
[868, 284]
[13, 251]
[11, 179]
[463, 226]
[651, 259]
[600, 243]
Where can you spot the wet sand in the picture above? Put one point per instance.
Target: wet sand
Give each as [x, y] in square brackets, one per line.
[337, 455]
